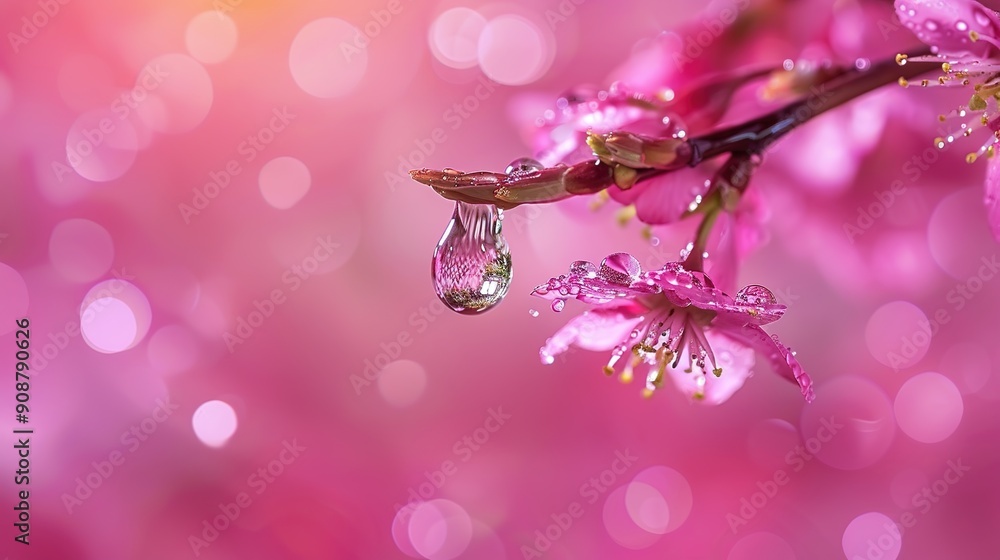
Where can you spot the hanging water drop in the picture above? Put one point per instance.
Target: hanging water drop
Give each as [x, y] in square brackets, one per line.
[471, 267]
[558, 304]
[523, 166]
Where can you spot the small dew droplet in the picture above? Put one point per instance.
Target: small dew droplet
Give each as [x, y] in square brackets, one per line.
[756, 295]
[962, 26]
[583, 268]
[533, 313]
[471, 267]
[523, 166]
[558, 304]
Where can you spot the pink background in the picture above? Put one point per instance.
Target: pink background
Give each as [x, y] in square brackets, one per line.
[704, 482]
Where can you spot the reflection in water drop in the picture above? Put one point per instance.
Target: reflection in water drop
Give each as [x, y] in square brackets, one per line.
[471, 267]
[558, 304]
[756, 295]
[523, 166]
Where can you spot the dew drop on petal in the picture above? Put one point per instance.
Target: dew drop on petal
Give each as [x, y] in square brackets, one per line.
[471, 267]
[620, 268]
[533, 313]
[583, 268]
[558, 304]
[756, 295]
[524, 166]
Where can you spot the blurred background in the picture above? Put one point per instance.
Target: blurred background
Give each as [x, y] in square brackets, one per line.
[236, 350]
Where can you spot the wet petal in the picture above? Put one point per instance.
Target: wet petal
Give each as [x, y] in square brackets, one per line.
[599, 285]
[782, 360]
[947, 25]
[596, 329]
[734, 358]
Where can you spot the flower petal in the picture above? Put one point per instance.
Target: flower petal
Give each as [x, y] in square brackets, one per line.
[780, 356]
[599, 285]
[735, 359]
[596, 329]
[946, 25]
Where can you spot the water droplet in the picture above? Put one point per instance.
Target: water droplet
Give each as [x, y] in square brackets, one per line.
[962, 26]
[533, 313]
[620, 268]
[654, 241]
[583, 268]
[931, 25]
[981, 18]
[524, 165]
[471, 267]
[558, 304]
[756, 295]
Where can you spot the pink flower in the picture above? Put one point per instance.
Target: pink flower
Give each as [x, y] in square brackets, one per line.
[673, 320]
[965, 36]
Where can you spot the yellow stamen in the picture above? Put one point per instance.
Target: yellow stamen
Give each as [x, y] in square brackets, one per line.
[717, 371]
[901, 59]
[625, 214]
[970, 158]
[608, 370]
[974, 35]
[903, 82]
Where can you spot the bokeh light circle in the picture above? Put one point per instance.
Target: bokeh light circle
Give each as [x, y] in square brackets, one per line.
[402, 383]
[214, 423]
[850, 428]
[284, 181]
[328, 57]
[872, 535]
[898, 334]
[80, 250]
[675, 490]
[621, 526]
[101, 146]
[957, 232]
[439, 529]
[761, 546]
[114, 316]
[647, 507]
[454, 37]
[513, 51]
[211, 37]
[929, 407]
[173, 93]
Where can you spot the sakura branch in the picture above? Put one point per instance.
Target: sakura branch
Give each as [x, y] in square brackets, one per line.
[640, 148]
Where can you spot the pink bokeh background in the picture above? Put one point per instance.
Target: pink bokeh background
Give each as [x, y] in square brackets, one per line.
[232, 322]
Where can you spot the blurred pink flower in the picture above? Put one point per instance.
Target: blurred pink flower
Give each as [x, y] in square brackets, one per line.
[669, 317]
